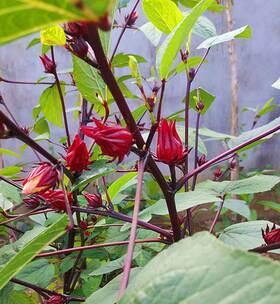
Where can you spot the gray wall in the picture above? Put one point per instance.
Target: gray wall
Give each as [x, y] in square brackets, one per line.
[258, 68]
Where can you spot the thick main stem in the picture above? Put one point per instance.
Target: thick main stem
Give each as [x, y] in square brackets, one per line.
[133, 231]
[108, 77]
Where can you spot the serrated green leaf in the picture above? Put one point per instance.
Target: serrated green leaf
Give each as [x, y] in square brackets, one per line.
[88, 80]
[243, 32]
[31, 249]
[172, 44]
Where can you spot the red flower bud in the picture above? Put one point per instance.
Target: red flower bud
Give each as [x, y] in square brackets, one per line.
[77, 158]
[77, 46]
[31, 202]
[233, 164]
[94, 200]
[40, 179]
[76, 29]
[271, 236]
[114, 141]
[199, 106]
[56, 199]
[170, 149]
[131, 19]
[191, 74]
[48, 64]
[57, 299]
[201, 160]
[218, 173]
[83, 225]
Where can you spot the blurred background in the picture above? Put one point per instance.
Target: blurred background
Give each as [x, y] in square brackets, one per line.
[258, 67]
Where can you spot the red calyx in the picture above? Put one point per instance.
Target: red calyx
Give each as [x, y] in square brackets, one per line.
[56, 199]
[218, 173]
[114, 141]
[272, 235]
[77, 46]
[202, 160]
[40, 179]
[170, 149]
[131, 19]
[94, 200]
[76, 29]
[77, 158]
[56, 299]
[49, 65]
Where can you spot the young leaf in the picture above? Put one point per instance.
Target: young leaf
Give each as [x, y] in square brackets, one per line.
[171, 45]
[135, 70]
[8, 152]
[163, 14]
[205, 97]
[31, 249]
[53, 35]
[88, 80]
[122, 60]
[243, 32]
[212, 272]
[50, 104]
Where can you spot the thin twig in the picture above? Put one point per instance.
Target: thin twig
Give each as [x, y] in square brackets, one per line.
[89, 247]
[132, 238]
[217, 216]
[196, 148]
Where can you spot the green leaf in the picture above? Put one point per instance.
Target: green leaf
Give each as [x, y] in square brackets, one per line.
[135, 70]
[98, 169]
[53, 35]
[253, 133]
[201, 269]
[121, 184]
[88, 80]
[204, 96]
[182, 67]
[163, 14]
[122, 60]
[267, 108]
[38, 272]
[8, 152]
[276, 84]
[10, 171]
[246, 235]
[123, 3]
[31, 249]
[10, 296]
[243, 32]
[183, 201]
[33, 42]
[41, 126]
[254, 184]
[204, 28]
[238, 206]
[10, 192]
[172, 44]
[38, 13]
[215, 7]
[151, 32]
[270, 205]
[214, 135]
[50, 104]
[99, 7]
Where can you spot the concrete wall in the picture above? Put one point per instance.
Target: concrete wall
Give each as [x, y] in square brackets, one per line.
[258, 68]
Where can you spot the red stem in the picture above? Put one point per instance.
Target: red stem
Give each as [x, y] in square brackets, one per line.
[89, 247]
[223, 155]
[132, 238]
[217, 216]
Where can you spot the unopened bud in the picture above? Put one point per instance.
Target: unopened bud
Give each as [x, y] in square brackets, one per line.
[94, 200]
[233, 164]
[218, 173]
[184, 56]
[78, 46]
[83, 225]
[201, 160]
[151, 103]
[199, 106]
[191, 74]
[48, 64]
[131, 19]
[76, 29]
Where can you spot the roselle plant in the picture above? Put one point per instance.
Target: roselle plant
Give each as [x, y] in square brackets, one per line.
[85, 223]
